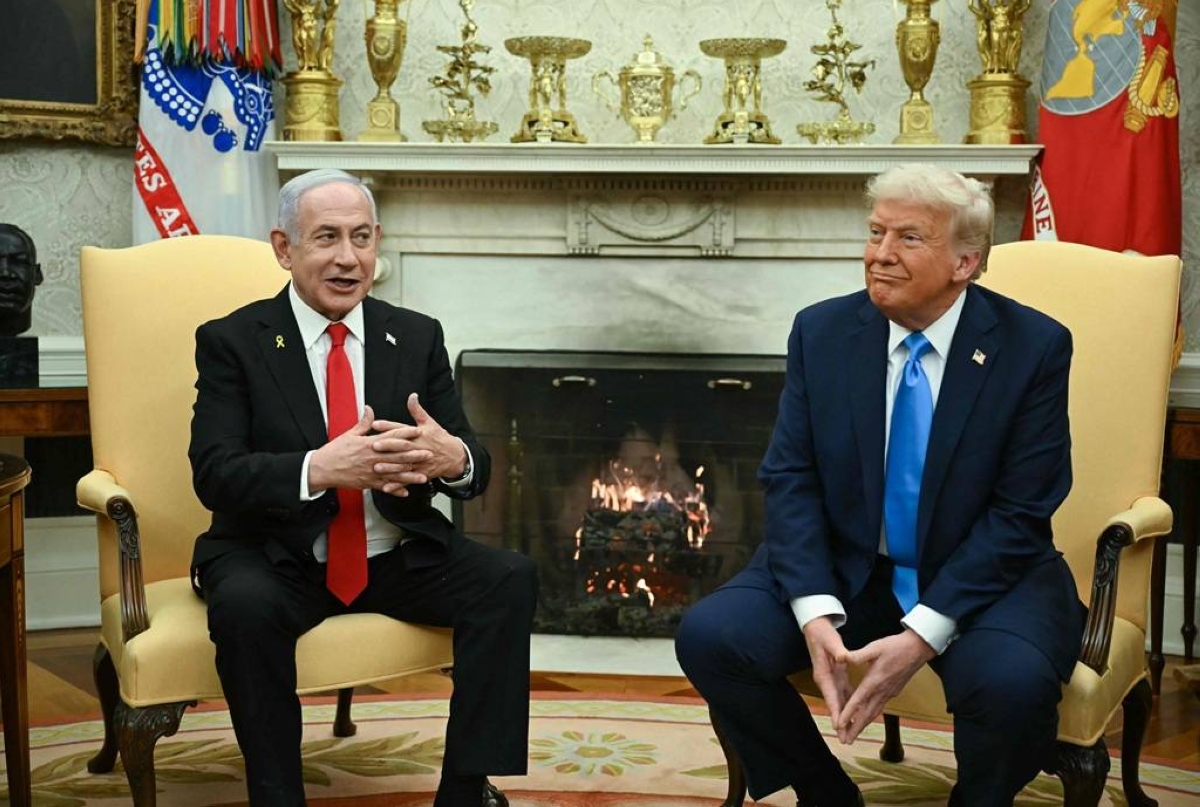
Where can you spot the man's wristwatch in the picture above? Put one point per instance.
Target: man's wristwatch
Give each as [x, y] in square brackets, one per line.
[468, 466]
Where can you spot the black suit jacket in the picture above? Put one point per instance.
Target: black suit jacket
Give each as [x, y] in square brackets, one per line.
[257, 413]
[997, 467]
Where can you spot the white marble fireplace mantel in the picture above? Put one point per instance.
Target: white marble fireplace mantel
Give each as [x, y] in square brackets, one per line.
[789, 202]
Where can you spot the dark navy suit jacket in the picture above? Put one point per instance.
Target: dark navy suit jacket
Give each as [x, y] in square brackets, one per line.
[997, 467]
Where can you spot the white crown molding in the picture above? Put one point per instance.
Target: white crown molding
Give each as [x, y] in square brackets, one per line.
[536, 160]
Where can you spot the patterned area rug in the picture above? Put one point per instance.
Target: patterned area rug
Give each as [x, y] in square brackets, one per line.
[583, 752]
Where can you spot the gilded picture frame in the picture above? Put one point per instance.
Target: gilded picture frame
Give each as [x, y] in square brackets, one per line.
[106, 116]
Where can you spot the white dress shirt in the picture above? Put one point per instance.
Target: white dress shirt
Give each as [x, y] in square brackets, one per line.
[938, 630]
[382, 535]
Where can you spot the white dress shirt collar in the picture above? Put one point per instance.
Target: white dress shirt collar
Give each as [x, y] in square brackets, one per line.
[940, 333]
[313, 324]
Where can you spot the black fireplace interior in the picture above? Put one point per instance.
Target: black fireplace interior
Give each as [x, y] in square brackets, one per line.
[628, 477]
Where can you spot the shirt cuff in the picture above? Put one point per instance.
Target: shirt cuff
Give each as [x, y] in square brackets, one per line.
[809, 608]
[305, 496]
[464, 480]
[938, 630]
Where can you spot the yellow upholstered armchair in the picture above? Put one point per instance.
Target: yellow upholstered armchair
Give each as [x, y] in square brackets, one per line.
[1121, 311]
[141, 307]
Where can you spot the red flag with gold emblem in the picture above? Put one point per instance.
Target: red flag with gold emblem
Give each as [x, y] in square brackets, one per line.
[1109, 173]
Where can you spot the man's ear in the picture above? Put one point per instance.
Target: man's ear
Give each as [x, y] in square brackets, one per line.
[279, 242]
[37, 274]
[968, 264]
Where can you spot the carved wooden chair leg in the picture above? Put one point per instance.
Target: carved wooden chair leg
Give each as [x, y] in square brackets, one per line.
[1083, 772]
[109, 690]
[1137, 707]
[343, 726]
[138, 730]
[892, 749]
[736, 795]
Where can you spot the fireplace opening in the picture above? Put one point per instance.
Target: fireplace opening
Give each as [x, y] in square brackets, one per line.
[628, 477]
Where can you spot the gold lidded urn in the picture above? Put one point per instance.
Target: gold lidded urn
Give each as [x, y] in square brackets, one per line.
[646, 91]
[917, 39]
[311, 110]
[386, 35]
[548, 119]
[743, 119]
[998, 92]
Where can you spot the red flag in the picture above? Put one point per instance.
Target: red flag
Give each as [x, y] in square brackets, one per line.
[1109, 173]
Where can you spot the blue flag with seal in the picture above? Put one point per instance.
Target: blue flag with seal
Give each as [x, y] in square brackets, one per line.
[206, 110]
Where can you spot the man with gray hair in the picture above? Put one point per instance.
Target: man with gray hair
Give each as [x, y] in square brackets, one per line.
[920, 450]
[325, 422]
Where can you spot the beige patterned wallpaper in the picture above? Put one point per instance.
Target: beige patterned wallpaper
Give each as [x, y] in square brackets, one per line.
[67, 196]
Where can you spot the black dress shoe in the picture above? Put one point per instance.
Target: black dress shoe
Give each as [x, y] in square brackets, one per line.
[492, 796]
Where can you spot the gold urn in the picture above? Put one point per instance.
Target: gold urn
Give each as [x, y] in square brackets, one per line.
[645, 91]
[386, 36]
[917, 39]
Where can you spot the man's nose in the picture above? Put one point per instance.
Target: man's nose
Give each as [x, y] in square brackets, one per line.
[885, 250]
[345, 254]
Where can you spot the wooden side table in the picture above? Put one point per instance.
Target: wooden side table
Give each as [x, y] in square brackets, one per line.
[1182, 471]
[14, 707]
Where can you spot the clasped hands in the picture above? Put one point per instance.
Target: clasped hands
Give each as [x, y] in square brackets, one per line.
[890, 662]
[388, 456]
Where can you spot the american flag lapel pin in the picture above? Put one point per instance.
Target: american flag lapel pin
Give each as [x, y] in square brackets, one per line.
[391, 339]
[979, 358]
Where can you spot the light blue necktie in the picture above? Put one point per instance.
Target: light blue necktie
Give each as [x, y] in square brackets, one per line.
[912, 414]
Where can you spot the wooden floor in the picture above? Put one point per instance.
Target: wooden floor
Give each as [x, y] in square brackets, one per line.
[61, 688]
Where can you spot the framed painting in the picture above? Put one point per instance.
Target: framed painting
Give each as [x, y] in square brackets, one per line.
[67, 72]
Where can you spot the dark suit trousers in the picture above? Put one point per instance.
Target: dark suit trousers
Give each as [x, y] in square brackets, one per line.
[258, 609]
[739, 644]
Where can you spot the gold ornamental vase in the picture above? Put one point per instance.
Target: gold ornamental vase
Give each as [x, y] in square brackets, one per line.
[311, 108]
[386, 35]
[548, 119]
[998, 92]
[645, 91]
[917, 38]
[743, 119]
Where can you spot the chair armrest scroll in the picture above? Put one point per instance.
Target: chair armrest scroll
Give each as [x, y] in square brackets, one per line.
[1149, 517]
[100, 493]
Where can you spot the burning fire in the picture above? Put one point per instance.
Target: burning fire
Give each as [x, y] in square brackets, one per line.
[624, 492]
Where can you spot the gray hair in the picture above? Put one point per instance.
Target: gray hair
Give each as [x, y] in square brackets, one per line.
[967, 200]
[296, 187]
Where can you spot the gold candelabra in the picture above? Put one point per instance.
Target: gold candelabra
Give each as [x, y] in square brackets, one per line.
[386, 35]
[311, 111]
[998, 93]
[463, 75]
[833, 71]
[917, 39]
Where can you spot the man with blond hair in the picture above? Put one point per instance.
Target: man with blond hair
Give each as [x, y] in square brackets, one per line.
[920, 450]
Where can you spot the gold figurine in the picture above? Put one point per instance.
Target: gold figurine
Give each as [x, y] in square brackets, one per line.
[831, 73]
[548, 120]
[462, 74]
[743, 119]
[311, 111]
[386, 36]
[998, 93]
[917, 39]
[647, 91]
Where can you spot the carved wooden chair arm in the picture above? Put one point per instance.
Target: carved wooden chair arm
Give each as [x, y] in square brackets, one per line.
[1149, 517]
[101, 494]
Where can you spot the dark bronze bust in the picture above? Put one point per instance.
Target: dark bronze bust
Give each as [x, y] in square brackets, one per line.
[20, 274]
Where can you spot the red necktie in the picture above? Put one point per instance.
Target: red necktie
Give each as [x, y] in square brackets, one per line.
[346, 570]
